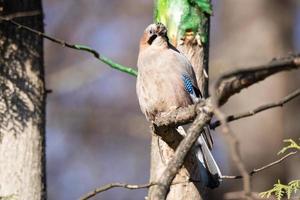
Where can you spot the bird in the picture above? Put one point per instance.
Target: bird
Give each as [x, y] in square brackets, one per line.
[166, 81]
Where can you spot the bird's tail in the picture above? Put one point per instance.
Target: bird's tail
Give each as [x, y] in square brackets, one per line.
[210, 174]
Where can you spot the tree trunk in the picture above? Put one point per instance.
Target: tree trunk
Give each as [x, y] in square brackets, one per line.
[190, 36]
[22, 104]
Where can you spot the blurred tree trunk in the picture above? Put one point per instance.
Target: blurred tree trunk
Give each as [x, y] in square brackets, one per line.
[190, 36]
[22, 104]
[291, 114]
[246, 33]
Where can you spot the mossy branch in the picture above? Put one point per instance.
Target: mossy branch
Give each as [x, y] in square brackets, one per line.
[79, 47]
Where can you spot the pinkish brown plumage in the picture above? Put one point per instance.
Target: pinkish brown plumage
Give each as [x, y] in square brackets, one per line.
[166, 81]
[160, 68]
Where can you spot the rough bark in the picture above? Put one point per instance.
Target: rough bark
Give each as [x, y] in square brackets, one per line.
[161, 154]
[22, 104]
[162, 150]
[198, 54]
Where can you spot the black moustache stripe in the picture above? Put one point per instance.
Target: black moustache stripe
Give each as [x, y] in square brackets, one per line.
[151, 39]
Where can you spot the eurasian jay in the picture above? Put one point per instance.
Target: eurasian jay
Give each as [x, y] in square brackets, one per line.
[166, 81]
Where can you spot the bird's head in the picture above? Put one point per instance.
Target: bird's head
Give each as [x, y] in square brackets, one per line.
[154, 34]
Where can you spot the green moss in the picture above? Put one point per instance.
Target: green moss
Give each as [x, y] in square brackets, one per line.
[182, 16]
[204, 5]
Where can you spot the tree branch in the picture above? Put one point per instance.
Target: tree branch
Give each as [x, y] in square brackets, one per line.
[114, 185]
[233, 143]
[100, 57]
[254, 171]
[226, 86]
[147, 185]
[21, 14]
[229, 84]
[259, 109]
[194, 131]
[233, 82]
[124, 185]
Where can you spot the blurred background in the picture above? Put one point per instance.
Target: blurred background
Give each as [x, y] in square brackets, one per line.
[96, 133]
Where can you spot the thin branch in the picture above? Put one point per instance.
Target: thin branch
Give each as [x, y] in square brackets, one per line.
[259, 109]
[100, 57]
[235, 152]
[233, 82]
[21, 14]
[114, 185]
[254, 171]
[273, 163]
[126, 186]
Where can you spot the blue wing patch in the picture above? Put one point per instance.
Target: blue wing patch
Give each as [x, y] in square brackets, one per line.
[188, 85]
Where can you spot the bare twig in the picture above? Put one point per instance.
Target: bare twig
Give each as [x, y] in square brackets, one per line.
[254, 171]
[100, 57]
[114, 185]
[233, 82]
[21, 14]
[233, 143]
[273, 163]
[259, 109]
[126, 186]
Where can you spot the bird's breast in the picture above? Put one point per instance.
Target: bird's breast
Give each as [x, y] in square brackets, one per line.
[160, 87]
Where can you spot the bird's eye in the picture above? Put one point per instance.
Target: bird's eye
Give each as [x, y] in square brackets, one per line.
[151, 32]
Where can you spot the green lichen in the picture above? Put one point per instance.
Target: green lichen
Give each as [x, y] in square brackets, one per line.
[184, 16]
